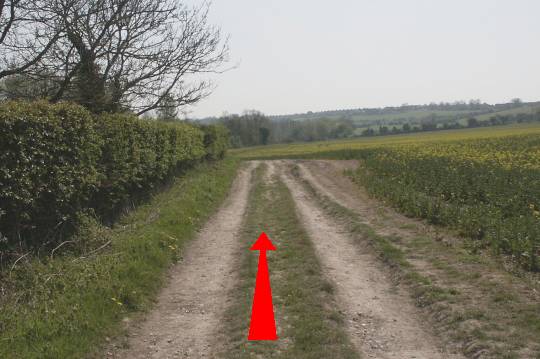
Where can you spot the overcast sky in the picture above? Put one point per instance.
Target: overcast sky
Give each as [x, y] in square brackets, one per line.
[301, 55]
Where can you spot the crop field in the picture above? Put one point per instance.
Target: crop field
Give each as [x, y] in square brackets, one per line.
[487, 189]
[344, 149]
[482, 183]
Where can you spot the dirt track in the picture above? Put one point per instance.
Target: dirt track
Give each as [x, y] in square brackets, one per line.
[189, 309]
[381, 321]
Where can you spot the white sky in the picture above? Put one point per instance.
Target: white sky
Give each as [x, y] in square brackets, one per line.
[301, 55]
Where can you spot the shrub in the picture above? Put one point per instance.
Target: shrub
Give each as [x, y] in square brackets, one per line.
[57, 161]
[138, 154]
[47, 166]
[216, 141]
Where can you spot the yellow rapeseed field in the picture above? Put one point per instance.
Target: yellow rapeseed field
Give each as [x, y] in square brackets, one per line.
[319, 149]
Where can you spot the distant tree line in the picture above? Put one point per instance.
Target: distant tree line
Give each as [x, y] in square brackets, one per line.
[253, 129]
[473, 105]
[431, 125]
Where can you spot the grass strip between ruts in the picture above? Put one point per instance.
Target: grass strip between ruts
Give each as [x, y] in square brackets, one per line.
[309, 324]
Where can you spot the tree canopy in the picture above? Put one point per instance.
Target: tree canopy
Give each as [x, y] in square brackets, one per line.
[108, 55]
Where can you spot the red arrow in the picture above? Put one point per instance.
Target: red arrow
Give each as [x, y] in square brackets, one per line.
[263, 324]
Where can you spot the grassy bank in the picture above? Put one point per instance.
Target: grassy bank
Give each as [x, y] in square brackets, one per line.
[64, 306]
[308, 324]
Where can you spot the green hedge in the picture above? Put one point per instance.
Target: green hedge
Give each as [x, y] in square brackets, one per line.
[216, 140]
[57, 160]
[47, 166]
[138, 154]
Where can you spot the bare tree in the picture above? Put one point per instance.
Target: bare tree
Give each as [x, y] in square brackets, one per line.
[27, 34]
[114, 55]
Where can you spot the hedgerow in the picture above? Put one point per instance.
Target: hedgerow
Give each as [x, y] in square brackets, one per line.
[58, 161]
[216, 141]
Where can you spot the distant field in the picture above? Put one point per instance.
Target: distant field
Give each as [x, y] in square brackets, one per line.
[326, 149]
[417, 115]
[411, 115]
[527, 109]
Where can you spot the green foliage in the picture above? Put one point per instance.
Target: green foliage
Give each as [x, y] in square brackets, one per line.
[138, 154]
[59, 160]
[47, 165]
[253, 128]
[216, 141]
[246, 129]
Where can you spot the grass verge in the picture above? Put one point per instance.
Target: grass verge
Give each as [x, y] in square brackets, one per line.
[65, 306]
[309, 325]
[500, 324]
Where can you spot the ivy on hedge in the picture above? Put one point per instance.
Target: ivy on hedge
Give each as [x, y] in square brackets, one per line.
[57, 160]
